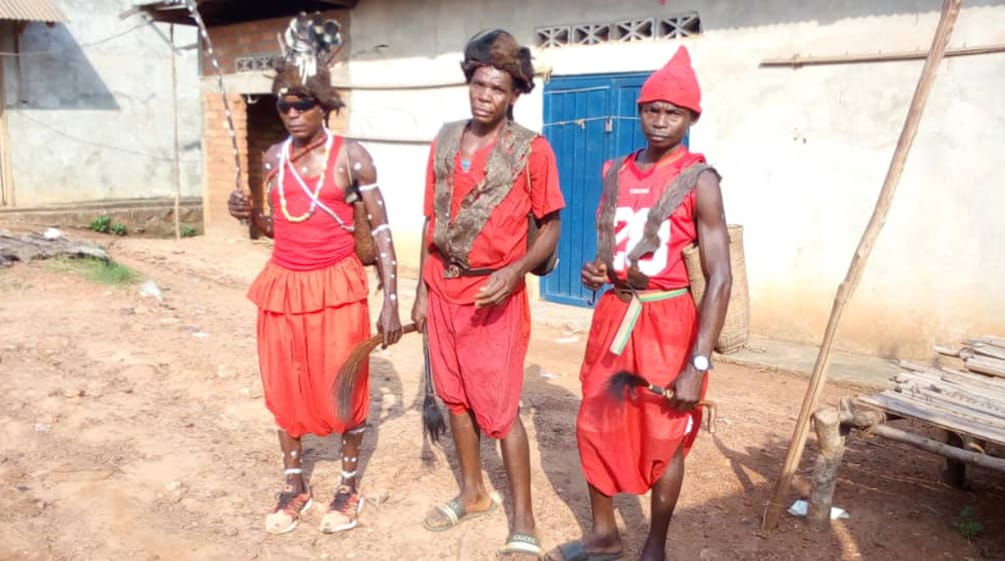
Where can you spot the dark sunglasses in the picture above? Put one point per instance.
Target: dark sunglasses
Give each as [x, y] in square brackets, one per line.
[301, 105]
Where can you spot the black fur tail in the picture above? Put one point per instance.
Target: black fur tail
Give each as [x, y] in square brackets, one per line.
[625, 382]
[433, 424]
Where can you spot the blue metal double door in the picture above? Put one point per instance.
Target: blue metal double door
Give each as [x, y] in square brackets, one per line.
[588, 120]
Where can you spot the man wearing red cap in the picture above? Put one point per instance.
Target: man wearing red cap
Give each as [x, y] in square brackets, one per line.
[486, 176]
[655, 202]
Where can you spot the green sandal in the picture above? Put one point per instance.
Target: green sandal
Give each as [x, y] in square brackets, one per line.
[455, 513]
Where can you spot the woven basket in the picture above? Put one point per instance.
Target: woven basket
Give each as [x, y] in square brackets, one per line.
[736, 327]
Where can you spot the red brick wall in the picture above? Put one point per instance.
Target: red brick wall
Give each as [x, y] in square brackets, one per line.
[254, 134]
[218, 157]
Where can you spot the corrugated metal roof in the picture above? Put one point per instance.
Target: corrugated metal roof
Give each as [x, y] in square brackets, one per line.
[31, 10]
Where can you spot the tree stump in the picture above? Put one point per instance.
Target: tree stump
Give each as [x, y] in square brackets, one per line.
[827, 424]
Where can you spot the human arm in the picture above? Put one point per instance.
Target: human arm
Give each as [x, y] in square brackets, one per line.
[365, 174]
[240, 206]
[713, 246]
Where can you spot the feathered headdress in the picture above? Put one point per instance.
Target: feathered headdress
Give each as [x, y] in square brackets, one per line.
[309, 48]
[496, 47]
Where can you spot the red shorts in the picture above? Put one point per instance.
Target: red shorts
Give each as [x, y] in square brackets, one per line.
[626, 447]
[308, 323]
[477, 356]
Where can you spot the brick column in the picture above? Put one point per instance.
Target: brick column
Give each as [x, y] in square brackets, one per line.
[218, 159]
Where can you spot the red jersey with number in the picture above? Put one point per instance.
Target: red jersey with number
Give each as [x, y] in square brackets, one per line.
[638, 191]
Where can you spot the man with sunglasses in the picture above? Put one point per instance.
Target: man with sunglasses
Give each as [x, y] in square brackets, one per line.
[312, 294]
[486, 176]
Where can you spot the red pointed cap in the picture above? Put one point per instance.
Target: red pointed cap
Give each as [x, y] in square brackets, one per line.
[675, 82]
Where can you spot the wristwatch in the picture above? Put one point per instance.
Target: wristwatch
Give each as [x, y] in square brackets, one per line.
[700, 363]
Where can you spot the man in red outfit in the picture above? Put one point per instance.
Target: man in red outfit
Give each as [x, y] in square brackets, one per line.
[656, 202]
[312, 294]
[486, 177]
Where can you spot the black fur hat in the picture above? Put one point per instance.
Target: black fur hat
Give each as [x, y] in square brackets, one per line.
[496, 47]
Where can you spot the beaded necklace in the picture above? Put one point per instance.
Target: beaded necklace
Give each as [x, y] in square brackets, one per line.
[284, 161]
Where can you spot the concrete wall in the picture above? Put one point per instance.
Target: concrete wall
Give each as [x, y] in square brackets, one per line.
[92, 117]
[803, 152]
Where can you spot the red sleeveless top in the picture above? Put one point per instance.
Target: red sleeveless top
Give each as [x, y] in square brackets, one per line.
[638, 191]
[319, 241]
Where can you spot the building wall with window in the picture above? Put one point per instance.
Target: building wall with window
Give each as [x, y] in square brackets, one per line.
[90, 108]
[803, 152]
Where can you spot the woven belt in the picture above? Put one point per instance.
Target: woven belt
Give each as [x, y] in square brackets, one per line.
[453, 271]
[635, 300]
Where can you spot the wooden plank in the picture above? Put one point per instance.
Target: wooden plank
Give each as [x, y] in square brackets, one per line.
[975, 381]
[988, 350]
[947, 351]
[917, 411]
[977, 417]
[959, 377]
[969, 383]
[962, 404]
[962, 418]
[987, 340]
[986, 365]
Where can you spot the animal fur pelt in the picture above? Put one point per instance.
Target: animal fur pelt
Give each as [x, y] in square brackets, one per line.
[498, 48]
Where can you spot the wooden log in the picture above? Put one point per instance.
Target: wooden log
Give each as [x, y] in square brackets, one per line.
[827, 425]
[776, 504]
[29, 247]
[986, 365]
[951, 452]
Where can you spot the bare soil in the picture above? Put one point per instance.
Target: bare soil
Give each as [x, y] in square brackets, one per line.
[135, 430]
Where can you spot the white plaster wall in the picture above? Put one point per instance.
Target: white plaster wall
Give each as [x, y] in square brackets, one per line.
[95, 121]
[803, 152]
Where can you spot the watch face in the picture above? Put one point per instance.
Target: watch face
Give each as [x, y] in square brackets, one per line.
[700, 362]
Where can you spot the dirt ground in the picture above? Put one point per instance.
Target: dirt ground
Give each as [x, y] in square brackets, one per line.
[135, 430]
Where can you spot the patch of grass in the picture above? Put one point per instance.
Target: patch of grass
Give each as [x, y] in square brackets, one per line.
[98, 271]
[968, 524]
[188, 231]
[104, 225]
[101, 224]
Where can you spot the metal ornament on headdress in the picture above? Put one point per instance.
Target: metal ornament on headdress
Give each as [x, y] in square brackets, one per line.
[310, 44]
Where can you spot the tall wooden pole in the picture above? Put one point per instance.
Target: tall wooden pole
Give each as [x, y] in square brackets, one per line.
[950, 11]
[177, 155]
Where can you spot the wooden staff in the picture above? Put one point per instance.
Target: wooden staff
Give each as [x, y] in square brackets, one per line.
[950, 11]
